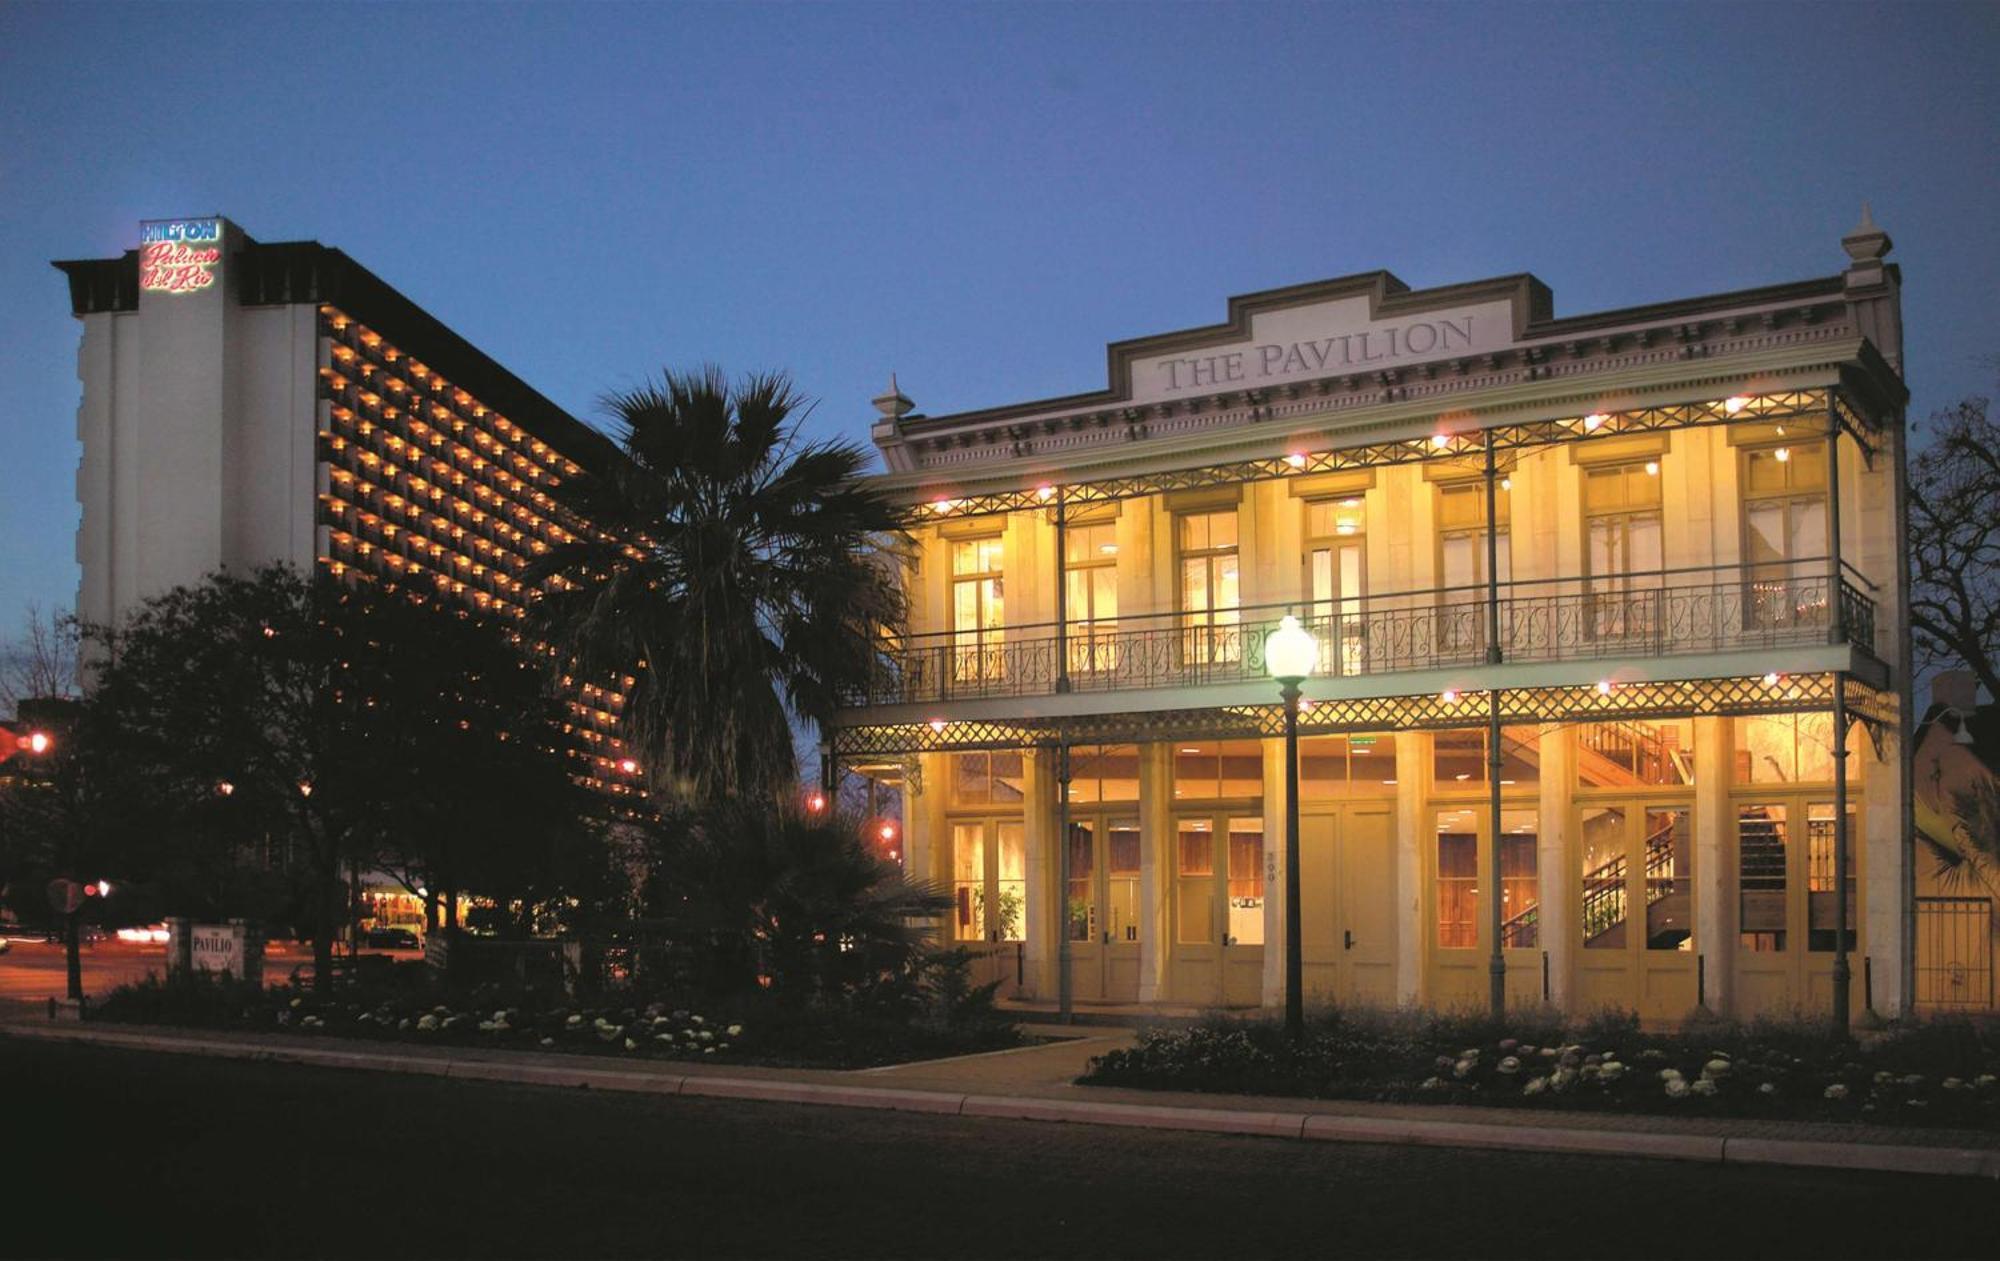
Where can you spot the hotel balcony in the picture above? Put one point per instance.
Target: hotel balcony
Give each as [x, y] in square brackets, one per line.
[1626, 617]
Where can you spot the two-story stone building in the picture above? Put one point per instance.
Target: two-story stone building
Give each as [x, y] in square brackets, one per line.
[1603, 604]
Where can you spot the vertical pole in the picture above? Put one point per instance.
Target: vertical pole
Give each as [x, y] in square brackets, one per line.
[1836, 611]
[1496, 966]
[1062, 603]
[1842, 970]
[1295, 1016]
[73, 954]
[1065, 983]
[1492, 554]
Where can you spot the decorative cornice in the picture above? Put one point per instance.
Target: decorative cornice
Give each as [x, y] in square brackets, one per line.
[1732, 332]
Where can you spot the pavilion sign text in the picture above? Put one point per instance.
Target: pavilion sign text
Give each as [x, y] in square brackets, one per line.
[1267, 360]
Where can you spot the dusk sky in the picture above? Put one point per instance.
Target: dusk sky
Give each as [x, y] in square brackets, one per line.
[975, 197]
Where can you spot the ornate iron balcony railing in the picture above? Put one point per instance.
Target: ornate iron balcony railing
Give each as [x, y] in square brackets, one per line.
[1654, 614]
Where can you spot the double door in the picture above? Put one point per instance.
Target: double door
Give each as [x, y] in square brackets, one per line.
[1458, 859]
[1635, 908]
[1786, 908]
[1347, 929]
[1220, 877]
[1102, 908]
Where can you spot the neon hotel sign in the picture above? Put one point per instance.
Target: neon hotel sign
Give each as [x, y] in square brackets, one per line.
[179, 255]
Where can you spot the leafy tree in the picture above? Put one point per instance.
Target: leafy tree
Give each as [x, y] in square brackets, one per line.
[1955, 544]
[330, 727]
[733, 573]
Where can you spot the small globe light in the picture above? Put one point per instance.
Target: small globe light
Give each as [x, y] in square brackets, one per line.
[1289, 651]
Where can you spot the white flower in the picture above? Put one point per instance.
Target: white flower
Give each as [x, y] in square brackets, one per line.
[708, 1050]
[1836, 1091]
[734, 1031]
[697, 1020]
[1984, 1081]
[1432, 1083]
[1768, 1088]
[404, 1023]
[630, 1045]
[1676, 1088]
[1670, 1074]
[1706, 1086]
[1716, 1068]
[1953, 1083]
[1610, 1070]
[706, 1036]
[1562, 1079]
[574, 1020]
[428, 1022]
[1509, 1066]
[1535, 1086]
[296, 1002]
[548, 1041]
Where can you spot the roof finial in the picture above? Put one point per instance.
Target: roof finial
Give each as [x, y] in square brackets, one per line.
[1867, 243]
[893, 405]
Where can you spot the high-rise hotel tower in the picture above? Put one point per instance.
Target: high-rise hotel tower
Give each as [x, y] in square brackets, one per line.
[246, 403]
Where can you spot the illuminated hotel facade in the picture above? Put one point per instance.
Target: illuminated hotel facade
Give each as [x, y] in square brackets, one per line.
[1603, 605]
[248, 403]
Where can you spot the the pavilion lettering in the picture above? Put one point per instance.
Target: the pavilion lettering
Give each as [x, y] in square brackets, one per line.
[1329, 354]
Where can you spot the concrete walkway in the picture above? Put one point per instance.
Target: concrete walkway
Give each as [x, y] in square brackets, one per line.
[1037, 1083]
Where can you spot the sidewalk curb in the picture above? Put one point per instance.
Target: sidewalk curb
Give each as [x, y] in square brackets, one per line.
[1318, 1127]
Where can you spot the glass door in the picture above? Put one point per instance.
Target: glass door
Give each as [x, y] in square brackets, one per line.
[1623, 553]
[1209, 589]
[1636, 908]
[1336, 578]
[1103, 908]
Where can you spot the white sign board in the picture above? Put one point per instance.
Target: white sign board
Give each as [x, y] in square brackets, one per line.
[1324, 339]
[217, 948]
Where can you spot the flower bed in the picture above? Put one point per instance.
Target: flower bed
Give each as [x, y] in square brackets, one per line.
[1927, 1074]
[744, 1030]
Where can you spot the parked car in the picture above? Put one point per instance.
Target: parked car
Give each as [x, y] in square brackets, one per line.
[393, 938]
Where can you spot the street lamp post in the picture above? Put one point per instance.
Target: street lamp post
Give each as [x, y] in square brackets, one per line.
[1289, 654]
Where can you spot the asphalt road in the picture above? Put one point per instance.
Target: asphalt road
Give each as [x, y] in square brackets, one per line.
[147, 1155]
[33, 970]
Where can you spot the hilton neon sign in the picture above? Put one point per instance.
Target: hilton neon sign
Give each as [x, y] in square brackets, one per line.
[179, 255]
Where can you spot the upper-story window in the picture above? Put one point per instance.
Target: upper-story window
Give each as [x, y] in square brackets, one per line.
[1461, 617]
[1336, 559]
[1090, 586]
[1462, 534]
[978, 610]
[1784, 523]
[1622, 547]
[1210, 590]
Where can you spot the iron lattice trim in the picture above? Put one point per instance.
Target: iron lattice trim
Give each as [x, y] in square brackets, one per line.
[1461, 445]
[1792, 693]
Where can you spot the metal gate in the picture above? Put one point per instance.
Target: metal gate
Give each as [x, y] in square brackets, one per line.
[1954, 954]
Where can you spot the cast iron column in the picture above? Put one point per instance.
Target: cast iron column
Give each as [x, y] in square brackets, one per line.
[1842, 972]
[1064, 985]
[1496, 966]
[1062, 606]
[1295, 1015]
[1836, 608]
[1492, 556]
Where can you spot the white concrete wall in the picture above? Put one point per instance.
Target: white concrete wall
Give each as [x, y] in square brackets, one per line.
[197, 423]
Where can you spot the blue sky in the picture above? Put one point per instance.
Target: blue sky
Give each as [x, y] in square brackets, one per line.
[980, 196]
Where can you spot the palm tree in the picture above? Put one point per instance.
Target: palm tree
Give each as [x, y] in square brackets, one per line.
[732, 569]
